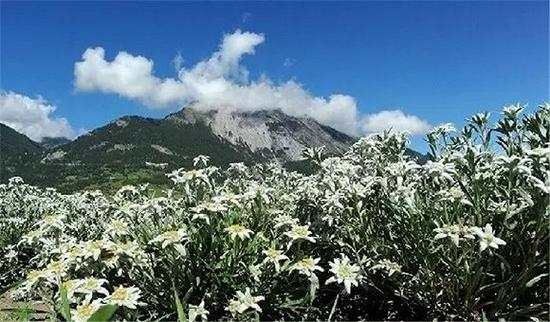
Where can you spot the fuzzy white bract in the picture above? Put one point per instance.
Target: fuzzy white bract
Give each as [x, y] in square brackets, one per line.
[125, 296]
[239, 231]
[344, 273]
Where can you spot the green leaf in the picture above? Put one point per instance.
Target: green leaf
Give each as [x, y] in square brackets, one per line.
[103, 314]
[179, 306]
[65, 305]
[313, 287]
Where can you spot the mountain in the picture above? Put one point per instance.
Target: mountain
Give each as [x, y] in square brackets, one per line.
[223, 135]
[270, 135]
[133, 149]
[53, 142]
[16, 149]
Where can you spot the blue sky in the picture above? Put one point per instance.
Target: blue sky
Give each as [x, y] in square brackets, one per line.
[439, 61]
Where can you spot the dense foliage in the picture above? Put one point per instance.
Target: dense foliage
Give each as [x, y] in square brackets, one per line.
[369, 235]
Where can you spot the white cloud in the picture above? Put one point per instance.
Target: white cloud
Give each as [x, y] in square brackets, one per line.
[217, 82]
[395, 120]
[32, 117]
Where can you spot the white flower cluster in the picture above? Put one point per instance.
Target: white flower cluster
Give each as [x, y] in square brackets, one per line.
[372, 219]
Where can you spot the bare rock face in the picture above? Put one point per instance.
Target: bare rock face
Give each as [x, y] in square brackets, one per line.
[270, 134]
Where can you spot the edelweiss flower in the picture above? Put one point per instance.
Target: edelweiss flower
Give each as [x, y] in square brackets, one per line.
[388, 266]
[52, 221]
[130, 248]
[274, 255]
[93, 249]
[70, 287]
[125, 296]
[344, 272]
[92, 285]
[300, 232]
[118, 227]
[239, 231]
[111, 261]
[73, 254]
[201, 159]
[307, 266]
[255, 271]
[12, 254]
[454, 232]
[196, 311]
[34, 276]
[84, 311]
[32, 235]
[57, 268]
[488, 239]
[246, 300]
[170, 237]
[283, 220]
[233, 307]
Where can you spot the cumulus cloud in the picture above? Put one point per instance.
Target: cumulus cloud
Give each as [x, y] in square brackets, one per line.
[32, 117]
[217, 82]
[395, 120]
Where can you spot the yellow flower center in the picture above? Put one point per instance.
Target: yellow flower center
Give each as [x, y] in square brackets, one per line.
[273, 252]
[300, 231]
[120, 294]
[91, 283]
[68, 285]
[238, 228]
[307, 263]
[171, 234]
[85, 310]
[345, 271]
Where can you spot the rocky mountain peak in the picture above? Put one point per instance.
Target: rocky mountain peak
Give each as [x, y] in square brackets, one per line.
[269, 133]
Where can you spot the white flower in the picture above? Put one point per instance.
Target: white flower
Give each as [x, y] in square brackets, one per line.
[125, 296]
[201, 159]
[170, 237]
[12, 254]
[300, 232]
[488, 239]
[84, 311]
[239, 231]
[255, 271]
[344, 272]
[34, 276]
[71, 287]
[92, 285]
[454, 232]
[274, 255]
[93, 249]
[57, 268]
[246, 300]
[307, 266]
[73, 253]
[52, 221]
[282, 220]
[233, 307]
[196, 311]
[388, 266]
[118, 227]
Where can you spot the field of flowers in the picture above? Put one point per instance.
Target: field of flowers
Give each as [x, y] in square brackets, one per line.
[370, 235]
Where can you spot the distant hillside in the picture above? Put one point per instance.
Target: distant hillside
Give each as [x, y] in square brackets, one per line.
[126, 150]
[16, 150]
[50, 143]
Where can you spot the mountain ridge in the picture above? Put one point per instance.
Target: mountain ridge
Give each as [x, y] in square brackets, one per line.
[128, 149]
